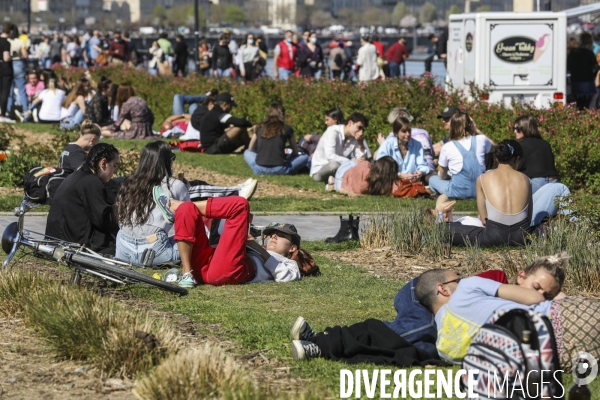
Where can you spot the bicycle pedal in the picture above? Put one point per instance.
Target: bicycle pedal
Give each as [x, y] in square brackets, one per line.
[147, 257]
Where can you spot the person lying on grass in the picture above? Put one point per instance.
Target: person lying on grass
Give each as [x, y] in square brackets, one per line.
[238, 258]
[411, 338]
[356, 178]
[461, 307]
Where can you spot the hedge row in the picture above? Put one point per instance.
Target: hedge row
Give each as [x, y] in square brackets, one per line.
[572, 134]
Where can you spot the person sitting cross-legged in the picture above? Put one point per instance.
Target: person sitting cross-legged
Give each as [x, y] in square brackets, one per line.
[238, 258]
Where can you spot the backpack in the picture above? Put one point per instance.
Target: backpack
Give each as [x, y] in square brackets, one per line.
[41, 183]
[498, 349]
[338, 60]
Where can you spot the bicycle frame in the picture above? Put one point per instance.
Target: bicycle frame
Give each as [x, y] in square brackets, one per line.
[15, 236]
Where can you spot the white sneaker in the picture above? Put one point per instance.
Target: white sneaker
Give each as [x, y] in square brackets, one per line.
[20, 116]
[7, 120]
[331, 180]
[248, 188]
[35, 115]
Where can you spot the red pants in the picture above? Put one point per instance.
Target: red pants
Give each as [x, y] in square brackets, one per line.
[227, 264]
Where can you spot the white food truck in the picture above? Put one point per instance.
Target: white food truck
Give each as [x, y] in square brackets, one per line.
[517, 56]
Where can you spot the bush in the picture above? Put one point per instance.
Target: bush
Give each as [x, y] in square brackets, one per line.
[14, 168]
[572, 134]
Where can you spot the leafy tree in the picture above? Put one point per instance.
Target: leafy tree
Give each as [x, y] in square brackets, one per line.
[349, 17]
[190, 16]
[454, 9]
[483, 9]
[234, 15]
[160, 13]
[177, 16]
[320, 18]
[400, 11]
[427, 13]
[217, 13]
[374, 16]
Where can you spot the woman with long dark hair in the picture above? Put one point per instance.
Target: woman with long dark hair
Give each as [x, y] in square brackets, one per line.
[538, 160]
[134, 109]
[333, 116]
[377, 179]
[80, 211]
[181, 56]
[266, 152]
[143, 227]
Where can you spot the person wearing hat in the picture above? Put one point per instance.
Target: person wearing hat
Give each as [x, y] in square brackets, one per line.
[445, 116]
[220, 132]
[337, 60]
[238, 258]
[118, 49]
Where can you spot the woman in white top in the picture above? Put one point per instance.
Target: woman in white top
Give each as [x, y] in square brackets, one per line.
[51, 99]
[463, 157]
[73, 107]
[248, 55]
[157, 58]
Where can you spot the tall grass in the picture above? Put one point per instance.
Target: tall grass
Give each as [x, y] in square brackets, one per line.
[583, 247]
[409, 231]
[81, 325]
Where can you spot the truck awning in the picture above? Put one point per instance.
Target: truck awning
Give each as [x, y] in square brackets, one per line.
[582, 10]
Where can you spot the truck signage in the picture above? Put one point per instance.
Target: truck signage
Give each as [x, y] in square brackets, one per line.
[515, 49]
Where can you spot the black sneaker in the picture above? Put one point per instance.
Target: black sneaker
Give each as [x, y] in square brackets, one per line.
[303, 350]
[301, 330]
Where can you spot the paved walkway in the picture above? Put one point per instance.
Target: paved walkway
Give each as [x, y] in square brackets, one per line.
[310, 227]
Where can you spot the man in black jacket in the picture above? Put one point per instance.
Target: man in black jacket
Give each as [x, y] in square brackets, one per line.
[220, 132]
[80, 211]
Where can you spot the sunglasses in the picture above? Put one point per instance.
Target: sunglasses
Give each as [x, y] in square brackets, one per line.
[173, 156]
[453, 280]
[517, 129]
[361, 128]
[447, 119]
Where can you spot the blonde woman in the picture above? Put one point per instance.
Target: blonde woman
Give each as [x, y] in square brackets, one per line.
[51, 100]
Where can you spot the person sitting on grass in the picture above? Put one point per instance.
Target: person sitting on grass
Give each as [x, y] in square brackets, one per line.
[221, 133]
[73, 107]
[333, 116]
[80, 211]
[339, 144]
[74, 154]
[463, 157]
[238, 258]
[48, 100]
[142, 226]
[411, 338]
[33, 87]
[407, 152]
[357, 178]
[135, 110]
[418, 134]
[98, 111]
[266, 153]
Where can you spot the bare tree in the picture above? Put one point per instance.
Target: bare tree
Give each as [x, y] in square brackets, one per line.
[400, 11]
[427, 13]
[374, 16]
[349, 17]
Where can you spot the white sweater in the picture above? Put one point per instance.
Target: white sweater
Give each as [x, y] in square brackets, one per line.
[276, 269]
[334, 146]
[246, 54]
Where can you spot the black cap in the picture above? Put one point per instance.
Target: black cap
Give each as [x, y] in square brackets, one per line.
[448, 112]
[284, 228]
[227, 98]
[117, 31]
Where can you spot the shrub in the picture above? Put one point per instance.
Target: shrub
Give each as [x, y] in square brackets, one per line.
[14, 168]
[572, 134]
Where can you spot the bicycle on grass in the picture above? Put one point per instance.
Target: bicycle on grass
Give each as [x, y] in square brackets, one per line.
[76, 256]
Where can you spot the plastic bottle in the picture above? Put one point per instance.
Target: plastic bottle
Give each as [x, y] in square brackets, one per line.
[578, 392]
[440, 218]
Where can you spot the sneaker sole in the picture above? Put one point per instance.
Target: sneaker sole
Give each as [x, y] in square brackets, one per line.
[186, 285]
[155, 196]
[254, 186]
[297, 350]
[297, 328]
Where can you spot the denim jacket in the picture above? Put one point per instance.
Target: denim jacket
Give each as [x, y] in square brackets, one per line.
[414, 322]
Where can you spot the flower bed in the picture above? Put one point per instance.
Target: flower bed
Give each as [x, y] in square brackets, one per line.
[572, 134]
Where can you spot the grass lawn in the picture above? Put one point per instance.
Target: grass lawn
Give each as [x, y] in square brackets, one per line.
[259, 317]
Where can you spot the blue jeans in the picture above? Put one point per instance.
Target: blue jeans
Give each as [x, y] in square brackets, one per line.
[19, 80]
[544, 202]
[45, 62]
[180, 100]
[292, 166]
[339, 174]
[284, 73]
[414, 322]
[537, 183]
[394, 69]
[70, 122]
[130, 249]
[223, 73]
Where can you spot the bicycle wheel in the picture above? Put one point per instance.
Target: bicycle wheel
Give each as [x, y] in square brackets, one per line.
[128, 274]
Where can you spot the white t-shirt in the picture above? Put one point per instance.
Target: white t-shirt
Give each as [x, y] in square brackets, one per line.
[68, 112]
[51, 104]
[451, 158]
